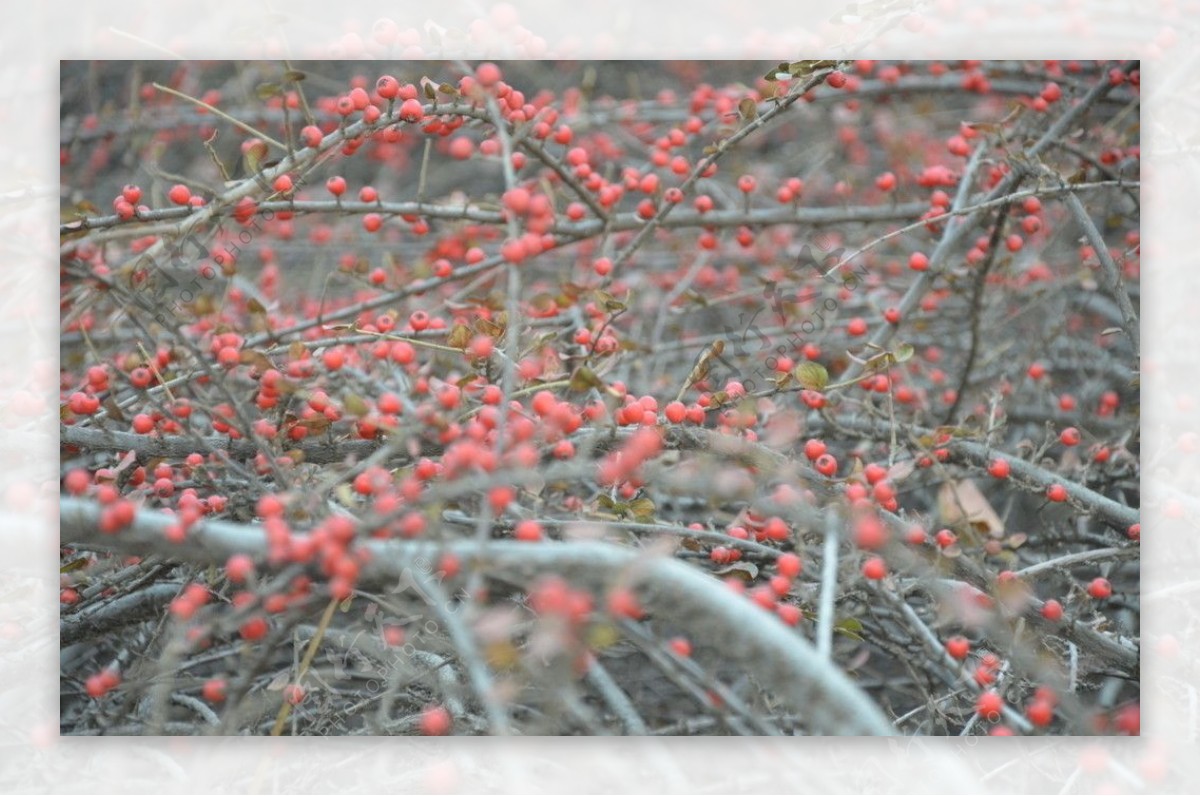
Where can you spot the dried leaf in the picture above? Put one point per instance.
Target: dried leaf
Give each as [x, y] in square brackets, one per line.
[267, 90]
[317, 423]
[114, 409]
[345, 495]
[746, 570]
[252, 157]
[960, 504]
[256, 358]
[543, 303]
[501, 655]
[485, 326]
[459, 337]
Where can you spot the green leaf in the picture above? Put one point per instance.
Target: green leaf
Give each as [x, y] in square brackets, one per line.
[583, 379]
[812, 376]
[267, 90]
[904, 353]
[642, 509]
[850, 627]
[610, 302]
[355, 405]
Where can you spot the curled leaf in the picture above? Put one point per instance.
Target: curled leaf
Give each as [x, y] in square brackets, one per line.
[746, 570]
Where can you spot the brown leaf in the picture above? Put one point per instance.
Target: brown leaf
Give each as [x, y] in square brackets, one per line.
[256, 358]
[459, 337]
[961, 504]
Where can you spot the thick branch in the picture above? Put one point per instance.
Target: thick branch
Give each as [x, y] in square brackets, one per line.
[699, 604]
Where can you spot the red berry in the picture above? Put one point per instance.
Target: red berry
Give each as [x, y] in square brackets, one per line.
[870, 533]
[1128, 719]
[239, 568]
[488, 74]
[435, 720]
[254, 629]
[789, 613]
[675, 412]
[293, 694]
[624, 603]
[789, 565]
[1099, 589]
[1040, 712]
[988, 705]
[334, 358]
[312, 136]
[874, 568]
[680, 646]
[826, 465]
[481, 347]
[387, 87]
[885, 181]
[917, 261]
[214, 690]
[1069, 436]
[999, 468]
[836, 79]
[179, 194]
[958, 647]
[1057, 493]
[528, 531]
[1052, 610]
